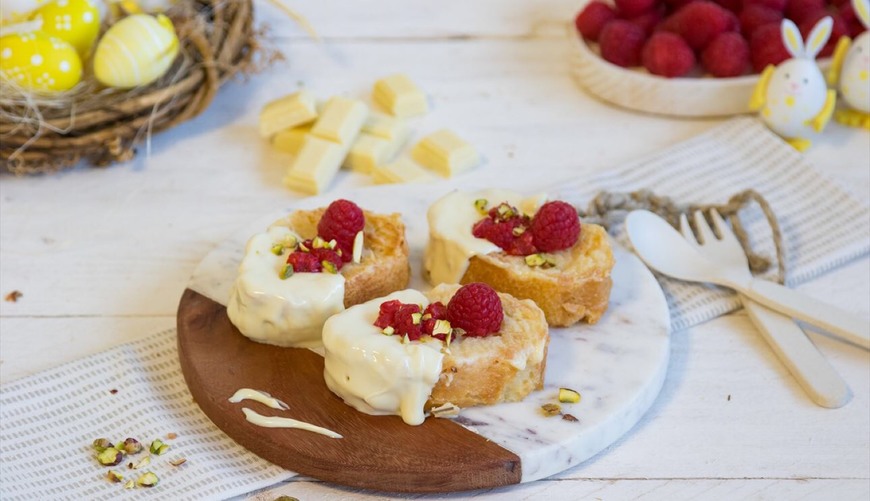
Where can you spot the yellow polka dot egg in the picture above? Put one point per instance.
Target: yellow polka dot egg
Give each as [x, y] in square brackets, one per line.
[136, 50]
[76, 21]
[15, 11]
[38, 61]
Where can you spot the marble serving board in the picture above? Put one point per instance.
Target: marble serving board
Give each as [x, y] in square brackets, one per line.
[617, 365]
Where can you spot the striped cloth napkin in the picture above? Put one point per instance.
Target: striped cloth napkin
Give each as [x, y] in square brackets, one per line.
[708, 169]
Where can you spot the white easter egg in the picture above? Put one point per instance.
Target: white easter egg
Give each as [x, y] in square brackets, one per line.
[795, 94]
[76, 21]
[37, 61]
[13, 11]
[855, 77]
[136, 50]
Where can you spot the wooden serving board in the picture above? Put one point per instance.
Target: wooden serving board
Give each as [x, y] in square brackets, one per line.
[377, 452]
[618, 366]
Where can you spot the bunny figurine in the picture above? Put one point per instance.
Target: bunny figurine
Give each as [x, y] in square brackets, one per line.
[793, 97]
[850, 70]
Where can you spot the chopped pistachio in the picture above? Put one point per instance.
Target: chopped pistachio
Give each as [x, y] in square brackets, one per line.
[449, 338]
[101, 444]
[147, 480]
[178, 462]
[426, 316]
[162, 449]
[569, 417]
[329, 267]
[416, 318]
[114, 476]
[110, 457]
[286, 498]
[120, 447]
[406, 339]
[551, 409]
[358, 247]
[549, 262]
[130, 484]
[303, 248]
[535, 260]
[441, 327]
[505, 211]
[319, 243]
[286, 271]
[155, 445]
[389, 330]
[568, 396]
[142, 462]
[132, 446]
[332, 243]
[480, 204]
[519, 230]
[277, 249]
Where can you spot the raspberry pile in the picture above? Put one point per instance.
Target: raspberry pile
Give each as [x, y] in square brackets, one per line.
[728, 38]
[553, 228]
[474, 311]
[333, 245]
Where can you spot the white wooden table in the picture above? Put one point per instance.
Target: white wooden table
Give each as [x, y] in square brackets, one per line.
[102, 256]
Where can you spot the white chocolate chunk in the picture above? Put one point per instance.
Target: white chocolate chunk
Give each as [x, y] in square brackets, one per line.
[291, 140]
[369, 151]
[341, 120]
[385, 127]
[403, 170]
[314, 167]
[398, 95]
[445, 153]
[286, 112]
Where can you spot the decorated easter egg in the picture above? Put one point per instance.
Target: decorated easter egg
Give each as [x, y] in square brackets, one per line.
[76, 21]
[136, 50]
[13, 11]
[37, 61]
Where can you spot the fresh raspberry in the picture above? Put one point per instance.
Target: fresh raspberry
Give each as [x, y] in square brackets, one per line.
[648, 21]
[631, 8]
[387, 313]
[555, 227]
[838, 29]
[700, 22]
[847, 12]
[732, 5]
[668, 55]
[798, 10]
[435, 311]
[766, 47]
[592, 19]
[778, 5]
[621, 42]
[404, 322]
[498, 233]
[507, 230]
[757, 15]
[476, 309]
[324, 254]
[304, 262]
[726, 56]
[341, 221]
[675, 5]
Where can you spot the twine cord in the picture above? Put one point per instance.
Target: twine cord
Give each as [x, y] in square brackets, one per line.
[610, 208]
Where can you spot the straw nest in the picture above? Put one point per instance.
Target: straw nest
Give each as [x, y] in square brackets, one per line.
[42, 133]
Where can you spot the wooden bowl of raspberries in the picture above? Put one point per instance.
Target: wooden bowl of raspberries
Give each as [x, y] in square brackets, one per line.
[695, 58]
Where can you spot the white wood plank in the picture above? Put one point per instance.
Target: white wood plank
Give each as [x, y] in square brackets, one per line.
[606, 489]
[421, 19]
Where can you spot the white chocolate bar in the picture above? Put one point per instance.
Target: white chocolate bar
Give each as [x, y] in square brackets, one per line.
[291, 140]
[403, 170]
[341, 120]
[398, 95]
[288, 111]
[445, 153]
[314, 167]
[369, 151]
[385, 127]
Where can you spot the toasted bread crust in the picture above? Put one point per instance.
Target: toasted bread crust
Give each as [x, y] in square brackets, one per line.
[578, 288]
[383, 269]
[494, 369]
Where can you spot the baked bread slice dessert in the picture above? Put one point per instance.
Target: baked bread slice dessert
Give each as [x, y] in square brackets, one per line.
[523, 246]
[408, 352]
[312, 264]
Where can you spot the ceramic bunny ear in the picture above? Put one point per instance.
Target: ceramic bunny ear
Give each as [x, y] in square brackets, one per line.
[862, 10]
[819, 37]
[791, 38]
